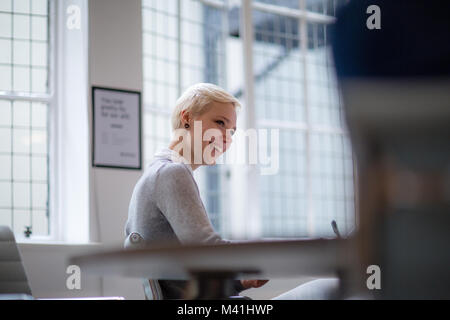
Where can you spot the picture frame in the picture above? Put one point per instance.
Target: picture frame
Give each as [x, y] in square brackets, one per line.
[116, 128]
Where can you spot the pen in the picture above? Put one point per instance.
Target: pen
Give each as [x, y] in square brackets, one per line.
[335, 229]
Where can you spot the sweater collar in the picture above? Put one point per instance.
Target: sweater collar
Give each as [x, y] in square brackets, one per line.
[173, 156]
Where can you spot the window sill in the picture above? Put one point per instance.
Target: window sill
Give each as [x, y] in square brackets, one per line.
[55, 245]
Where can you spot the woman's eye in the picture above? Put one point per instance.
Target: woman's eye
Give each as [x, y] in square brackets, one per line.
[220, 122]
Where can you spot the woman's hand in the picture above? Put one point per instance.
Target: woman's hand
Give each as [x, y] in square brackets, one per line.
[247, 284]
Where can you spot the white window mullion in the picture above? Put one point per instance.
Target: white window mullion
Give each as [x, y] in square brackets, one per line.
[301, 14]
[72, 149]
[54, 219]
[179, 50]
[12, 96]
[251, 198]
[223, 39]
[225, 171]
[303, 27]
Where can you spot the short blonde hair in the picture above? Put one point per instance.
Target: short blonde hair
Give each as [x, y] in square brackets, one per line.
[198, 98]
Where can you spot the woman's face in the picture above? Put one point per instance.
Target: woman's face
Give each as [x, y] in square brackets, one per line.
[218, 124]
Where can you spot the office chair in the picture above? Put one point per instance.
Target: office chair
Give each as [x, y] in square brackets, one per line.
[13, 278]
[152, 287]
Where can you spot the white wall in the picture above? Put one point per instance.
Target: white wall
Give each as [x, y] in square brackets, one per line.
[115, 60]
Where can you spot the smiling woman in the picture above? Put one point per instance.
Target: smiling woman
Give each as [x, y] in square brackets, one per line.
[204, 113]
[166, 206]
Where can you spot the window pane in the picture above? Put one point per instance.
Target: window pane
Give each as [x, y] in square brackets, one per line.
[39, 28]
[21, 195]
[21, 79]
[5, 140]
[5, 217]
[5, 5]
[40, 222]
[22, 219]
[5, 191]
[5, 113]
[39, 57]
[39, 115]
[21, 52]
[21, 140]
[39, 6]
[39, 139]
[39, 195]
[5, 25]
[22, 6]
[39, 168]
[5, 167]
[5, 51]
[21, 168]
[21, 113]
[39, 80]
[5, 78]
[21, 26]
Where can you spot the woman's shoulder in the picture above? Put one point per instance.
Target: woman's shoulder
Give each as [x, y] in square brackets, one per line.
[173, 170]
[161, 176]
[172, 177]
[165, 169]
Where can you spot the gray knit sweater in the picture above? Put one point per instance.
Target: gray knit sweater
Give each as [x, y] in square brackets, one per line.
[165, 207]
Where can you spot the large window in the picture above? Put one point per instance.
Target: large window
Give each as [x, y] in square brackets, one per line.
[294, 91]
[183, 45]
[25, 96]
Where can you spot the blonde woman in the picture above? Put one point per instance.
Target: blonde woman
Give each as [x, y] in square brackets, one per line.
[166, 205]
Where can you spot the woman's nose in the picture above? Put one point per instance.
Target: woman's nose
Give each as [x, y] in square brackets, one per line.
[227, 137]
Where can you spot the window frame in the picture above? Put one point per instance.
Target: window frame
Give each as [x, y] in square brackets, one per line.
[303, 17]
[49, 98]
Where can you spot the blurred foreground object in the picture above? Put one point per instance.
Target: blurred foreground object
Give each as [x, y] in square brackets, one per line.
[395, 84]
[13, 279]
[213, 267]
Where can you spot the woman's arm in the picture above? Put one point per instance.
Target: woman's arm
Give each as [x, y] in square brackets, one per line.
[178, 199]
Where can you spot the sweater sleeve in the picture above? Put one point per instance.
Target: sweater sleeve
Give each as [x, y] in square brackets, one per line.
[178, 198]
[238, 287]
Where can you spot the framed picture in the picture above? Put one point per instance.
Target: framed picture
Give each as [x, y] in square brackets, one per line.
[116, 126]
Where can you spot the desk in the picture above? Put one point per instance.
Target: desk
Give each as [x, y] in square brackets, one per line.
[222, 262]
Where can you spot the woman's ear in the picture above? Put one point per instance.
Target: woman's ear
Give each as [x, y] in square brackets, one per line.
[185, 116]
